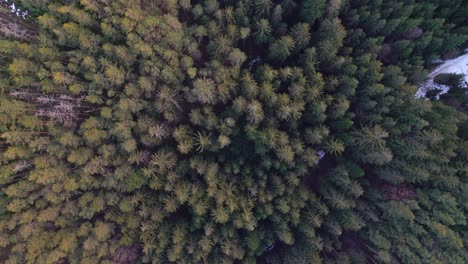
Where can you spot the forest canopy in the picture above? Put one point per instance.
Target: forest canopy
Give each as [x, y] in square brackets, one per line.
[231, 131]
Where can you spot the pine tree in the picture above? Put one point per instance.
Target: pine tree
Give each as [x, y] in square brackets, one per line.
[282, 48]
[311, 10]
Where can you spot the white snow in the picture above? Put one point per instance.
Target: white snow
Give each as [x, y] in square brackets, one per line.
[458, 65]
[320, 154]
[17, 11]
[270, 247]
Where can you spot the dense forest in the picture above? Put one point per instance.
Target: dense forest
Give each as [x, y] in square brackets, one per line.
[231, 131]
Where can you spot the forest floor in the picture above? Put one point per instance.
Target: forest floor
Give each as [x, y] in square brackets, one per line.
[458, 65]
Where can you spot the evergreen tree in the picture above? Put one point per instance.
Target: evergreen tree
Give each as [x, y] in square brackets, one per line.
[251, 131]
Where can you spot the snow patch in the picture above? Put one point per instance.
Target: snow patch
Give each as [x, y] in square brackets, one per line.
[458, 66]
[270, 247]
[320, 154]
[17, 11]
[254, 62]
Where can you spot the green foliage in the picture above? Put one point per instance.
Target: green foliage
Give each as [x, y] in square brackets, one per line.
[251, 131]
[311, 10]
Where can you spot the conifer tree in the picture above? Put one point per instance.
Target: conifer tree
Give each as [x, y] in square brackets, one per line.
[251, 131]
